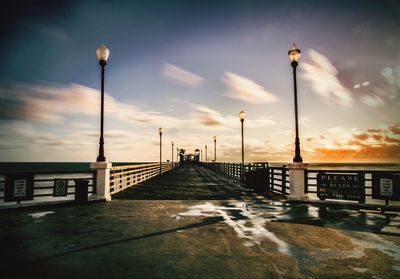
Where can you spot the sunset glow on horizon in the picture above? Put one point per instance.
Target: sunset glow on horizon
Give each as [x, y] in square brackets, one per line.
[190, 68]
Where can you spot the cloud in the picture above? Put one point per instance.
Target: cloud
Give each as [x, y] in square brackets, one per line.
[322, 76]
[260, 122]
[118, 134]
[387, 91]
[395, 129]
[207, 118]
[363, 136]
[53, 32]
[372, 100]
[371, 145]
[47, 104]
[392, 140]
[392, 79]
[374, 131]
[180, 76]
[377, 137]
[81, 126]
[256, 152]
[247, 90]
[379, 153]
[53, 103]
[25, 135]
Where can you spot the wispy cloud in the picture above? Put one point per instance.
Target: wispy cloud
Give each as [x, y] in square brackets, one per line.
[25, 135]
[53, 32]
[392, 78]
[207, 118]
[372, 100]
[180, 76]
[395, 129]
[53, 103]
[322, 75]
[256, 152]
[247, 90]
[387, 92]
[354, 145]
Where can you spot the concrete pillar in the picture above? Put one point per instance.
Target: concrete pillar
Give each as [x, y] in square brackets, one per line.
[296, 181]
[102, 179]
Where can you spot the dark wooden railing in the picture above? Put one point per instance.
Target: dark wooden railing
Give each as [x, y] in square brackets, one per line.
[43, 186]
[278, 175]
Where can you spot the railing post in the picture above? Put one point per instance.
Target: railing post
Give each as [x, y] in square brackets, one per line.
[102, 179]
[272, 179]
[284, 180]
[305, 181]
[297, 181]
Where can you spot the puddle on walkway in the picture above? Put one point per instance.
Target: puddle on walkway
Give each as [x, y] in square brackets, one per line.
[249, 221]
[38, 215]
[366, 240]
[246, 222]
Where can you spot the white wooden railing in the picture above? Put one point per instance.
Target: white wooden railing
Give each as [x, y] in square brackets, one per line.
[122, 177]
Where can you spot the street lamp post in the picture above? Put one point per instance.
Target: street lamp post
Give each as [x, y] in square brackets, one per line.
[160, 131]
[201, 155]
[294, 55]
[206, 151]
[102, 53]
[177, 155]
[172, 156]
[242, 115]
[215, 149]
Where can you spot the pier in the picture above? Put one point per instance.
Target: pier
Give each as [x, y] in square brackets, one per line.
[200, 139]
[194, 222]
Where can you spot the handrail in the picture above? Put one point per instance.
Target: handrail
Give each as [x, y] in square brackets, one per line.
[278, 175]
[122, 177]
[44, 185]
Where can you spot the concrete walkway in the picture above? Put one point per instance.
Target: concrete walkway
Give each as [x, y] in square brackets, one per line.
[193, 223]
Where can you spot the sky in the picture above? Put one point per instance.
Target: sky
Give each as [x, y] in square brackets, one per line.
[190, 67]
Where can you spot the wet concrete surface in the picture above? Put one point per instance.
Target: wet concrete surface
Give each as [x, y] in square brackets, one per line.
[193, 223]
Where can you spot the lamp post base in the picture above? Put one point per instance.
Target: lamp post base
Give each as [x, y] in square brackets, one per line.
[102, 179]
[297, 181]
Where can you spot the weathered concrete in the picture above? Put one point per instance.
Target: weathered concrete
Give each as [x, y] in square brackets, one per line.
[102, 179]
[211, 229]
[296, 181]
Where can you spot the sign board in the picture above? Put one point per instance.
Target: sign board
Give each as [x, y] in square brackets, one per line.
[386, 186]
[342, 186]
[18, 187]
[60, 188]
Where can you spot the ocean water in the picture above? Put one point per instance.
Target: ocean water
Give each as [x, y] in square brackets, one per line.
[51, 167]
[81, 167]
[349, 166]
